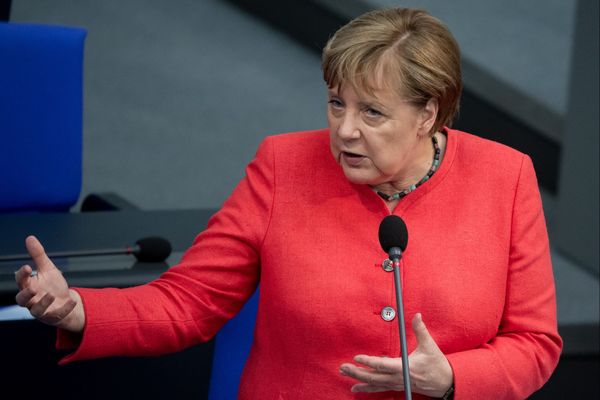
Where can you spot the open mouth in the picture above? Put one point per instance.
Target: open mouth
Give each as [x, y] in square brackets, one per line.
[352, 155]
[352, 159]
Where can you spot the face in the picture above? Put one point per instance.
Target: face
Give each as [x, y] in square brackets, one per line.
[379, 138]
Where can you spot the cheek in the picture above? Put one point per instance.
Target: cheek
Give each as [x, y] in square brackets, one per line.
[381, 160]
[330, 118]
[386, 156]
[333, 125]
[335, 151]
[378, 146]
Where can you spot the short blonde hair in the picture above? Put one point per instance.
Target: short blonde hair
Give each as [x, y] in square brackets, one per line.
[412, 51]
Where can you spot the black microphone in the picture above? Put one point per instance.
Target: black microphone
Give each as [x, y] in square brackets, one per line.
[393, 237]
[149, 249]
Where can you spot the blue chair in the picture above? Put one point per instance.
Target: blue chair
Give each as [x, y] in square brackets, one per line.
[41, 108]
[232, 347]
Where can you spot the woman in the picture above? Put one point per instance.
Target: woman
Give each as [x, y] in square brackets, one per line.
[477, 276]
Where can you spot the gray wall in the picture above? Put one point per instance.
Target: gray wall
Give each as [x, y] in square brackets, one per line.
[178, 94]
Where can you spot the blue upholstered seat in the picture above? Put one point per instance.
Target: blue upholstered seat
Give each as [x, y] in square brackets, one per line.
[41, 108]
[232, 347]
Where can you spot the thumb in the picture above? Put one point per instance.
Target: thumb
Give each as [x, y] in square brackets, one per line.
[424, 339]
[38, 254]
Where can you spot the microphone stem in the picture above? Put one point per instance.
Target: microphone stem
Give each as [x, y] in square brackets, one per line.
[75, 253]
[401, 326]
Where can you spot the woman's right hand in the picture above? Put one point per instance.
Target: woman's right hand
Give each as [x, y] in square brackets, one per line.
[46, 293]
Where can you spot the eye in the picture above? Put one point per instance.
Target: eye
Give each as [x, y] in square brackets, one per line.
[335, 103]
[373, 113]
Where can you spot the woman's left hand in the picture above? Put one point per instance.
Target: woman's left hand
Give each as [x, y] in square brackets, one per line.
[430, 371]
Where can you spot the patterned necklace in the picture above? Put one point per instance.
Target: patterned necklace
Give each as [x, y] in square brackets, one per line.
[434, 166]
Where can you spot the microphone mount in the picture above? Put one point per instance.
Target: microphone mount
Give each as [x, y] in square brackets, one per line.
[393, 237]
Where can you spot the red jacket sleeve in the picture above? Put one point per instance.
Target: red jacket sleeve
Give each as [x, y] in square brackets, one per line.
[192, 300]
[521, 358]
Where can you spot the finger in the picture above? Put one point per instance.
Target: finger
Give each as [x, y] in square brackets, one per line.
[368, 376]
[60, 313]
[22, 276]
[366, 388]
[424, 339]
[23, 298]
[38, 254]
[380, 364]
[39, 308]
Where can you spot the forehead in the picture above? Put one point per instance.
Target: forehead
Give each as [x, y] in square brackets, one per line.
[382, 78]
[372, 92]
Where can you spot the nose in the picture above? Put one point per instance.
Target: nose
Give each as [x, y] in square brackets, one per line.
[348, 127]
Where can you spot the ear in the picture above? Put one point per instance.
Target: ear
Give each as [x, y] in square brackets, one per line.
[428, 116]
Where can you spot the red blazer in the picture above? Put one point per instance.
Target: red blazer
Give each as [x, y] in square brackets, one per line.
[477, 267]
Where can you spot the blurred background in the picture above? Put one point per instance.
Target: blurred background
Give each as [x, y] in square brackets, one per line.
[178, 95]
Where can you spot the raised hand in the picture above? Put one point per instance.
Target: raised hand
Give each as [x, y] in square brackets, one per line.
[430, 371]
[45, 291]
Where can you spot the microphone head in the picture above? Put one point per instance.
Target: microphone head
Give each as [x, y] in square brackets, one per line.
[152, 249]
[393, 233]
